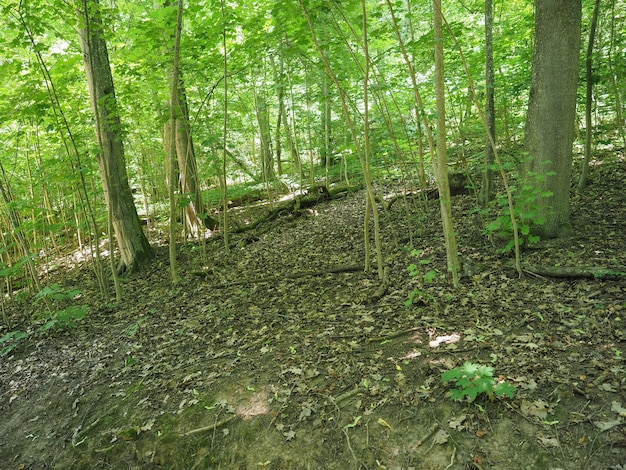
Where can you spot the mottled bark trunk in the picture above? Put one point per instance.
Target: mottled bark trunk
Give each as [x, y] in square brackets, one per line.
[132, 243]
[551, 115]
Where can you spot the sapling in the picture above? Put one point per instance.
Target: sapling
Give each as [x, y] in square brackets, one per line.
[473, 379]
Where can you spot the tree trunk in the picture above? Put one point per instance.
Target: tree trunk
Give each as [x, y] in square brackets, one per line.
[189, 183]
[132, 243]
[582, 182]
[267, 161]
[490, 114]
[552, 110]
[441, 161]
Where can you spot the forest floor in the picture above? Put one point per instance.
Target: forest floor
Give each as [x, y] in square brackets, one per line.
[275, 356]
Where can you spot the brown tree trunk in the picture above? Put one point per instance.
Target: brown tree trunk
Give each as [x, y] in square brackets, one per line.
[490, 114]
[131, 241]
[189, 183]
[552, 109]
[267, 160]
[441, 165]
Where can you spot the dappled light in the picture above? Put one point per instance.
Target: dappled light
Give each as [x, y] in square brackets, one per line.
[312, 235]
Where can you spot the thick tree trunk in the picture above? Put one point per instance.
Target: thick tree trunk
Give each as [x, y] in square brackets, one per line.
[132, 243]
[552, 109]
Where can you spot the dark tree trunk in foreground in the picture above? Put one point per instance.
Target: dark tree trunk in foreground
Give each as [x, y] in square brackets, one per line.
[131, 241]
[552, 109]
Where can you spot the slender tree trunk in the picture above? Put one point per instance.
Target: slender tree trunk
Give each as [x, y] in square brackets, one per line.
[223, 176]
[18, 233]
[355, 140]
[175, 112]
[550, 123]
[582, 182]
[616, 89]
[441, 166]
[132, 243]
[490, 113]
[280, 92]
[186, 168]
[189, 183]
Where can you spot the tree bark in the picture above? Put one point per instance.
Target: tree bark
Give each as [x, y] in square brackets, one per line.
[552, 110]
[441, 166]
[267, 161]
[189, 183]
[582, 182]
[132, 243]
[490, 114]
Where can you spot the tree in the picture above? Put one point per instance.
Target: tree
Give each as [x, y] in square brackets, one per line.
[441, 166]
[185, 166]
[582, 182]
[490, 113]
[132, 243]
[552, 110]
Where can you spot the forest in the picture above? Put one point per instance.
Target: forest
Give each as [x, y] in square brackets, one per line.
[295, 234]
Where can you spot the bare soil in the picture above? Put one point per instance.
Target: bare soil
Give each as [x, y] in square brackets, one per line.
[268, 356]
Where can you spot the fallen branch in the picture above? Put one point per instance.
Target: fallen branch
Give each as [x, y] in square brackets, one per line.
[575, 272]
[211, 427]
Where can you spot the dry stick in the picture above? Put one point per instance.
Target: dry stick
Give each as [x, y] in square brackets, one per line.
[496, 155]
[211, 427]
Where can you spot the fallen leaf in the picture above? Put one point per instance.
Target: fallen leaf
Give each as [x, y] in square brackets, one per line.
[548, 441]
[618, 408]
[606, 425]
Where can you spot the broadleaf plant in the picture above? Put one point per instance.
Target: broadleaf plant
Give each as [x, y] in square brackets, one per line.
[473, 379]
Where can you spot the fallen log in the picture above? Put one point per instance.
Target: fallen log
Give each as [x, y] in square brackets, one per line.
[574, 272]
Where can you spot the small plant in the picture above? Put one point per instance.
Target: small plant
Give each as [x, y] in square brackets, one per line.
[414, 271]
[473, 379]
[10, 341]
[527, 196]
[64, 316]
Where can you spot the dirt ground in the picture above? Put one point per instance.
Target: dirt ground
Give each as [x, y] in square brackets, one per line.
[283, 354]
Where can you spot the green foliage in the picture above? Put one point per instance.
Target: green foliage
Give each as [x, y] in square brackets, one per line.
[10, 341]
[527, 198]
[473, 379]
[62, 317]
[415, 271]
[65, 317]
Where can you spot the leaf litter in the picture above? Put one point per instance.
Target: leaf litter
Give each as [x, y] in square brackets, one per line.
[275, 369]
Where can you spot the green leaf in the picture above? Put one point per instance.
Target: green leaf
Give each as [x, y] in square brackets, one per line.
[506, 389]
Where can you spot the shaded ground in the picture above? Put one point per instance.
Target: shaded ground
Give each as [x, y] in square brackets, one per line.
[253, 365]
